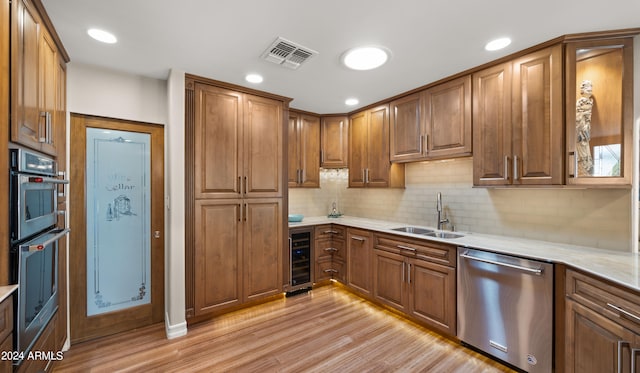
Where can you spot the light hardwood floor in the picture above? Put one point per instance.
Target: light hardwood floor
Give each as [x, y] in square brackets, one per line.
[325, 330]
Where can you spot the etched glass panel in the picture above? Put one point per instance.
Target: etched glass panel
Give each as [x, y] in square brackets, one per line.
[118, 220]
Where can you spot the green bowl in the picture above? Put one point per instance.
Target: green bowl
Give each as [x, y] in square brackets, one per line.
[295, 218]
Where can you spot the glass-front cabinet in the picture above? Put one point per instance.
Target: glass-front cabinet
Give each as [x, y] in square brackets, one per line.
[599, 111]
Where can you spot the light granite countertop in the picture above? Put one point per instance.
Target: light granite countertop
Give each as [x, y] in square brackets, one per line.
[620, 267]
[6, 291]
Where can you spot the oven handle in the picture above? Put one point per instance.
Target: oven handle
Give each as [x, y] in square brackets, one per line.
[41, 245]
[536, 271]
[44, 179]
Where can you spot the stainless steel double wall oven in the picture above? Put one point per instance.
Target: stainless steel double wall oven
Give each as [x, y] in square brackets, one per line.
[34, 186]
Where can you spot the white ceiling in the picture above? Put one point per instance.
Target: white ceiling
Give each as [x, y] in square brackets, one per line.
[223, 39]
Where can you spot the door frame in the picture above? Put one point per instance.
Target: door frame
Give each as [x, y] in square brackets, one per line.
[82, 327]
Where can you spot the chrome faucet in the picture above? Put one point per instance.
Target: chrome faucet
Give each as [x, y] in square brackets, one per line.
[441, 221]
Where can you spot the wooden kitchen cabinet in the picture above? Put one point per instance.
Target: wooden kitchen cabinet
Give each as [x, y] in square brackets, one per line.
[239, 144]
[417, 278]
[602, 326]
[329, 253]
[599, 148]
[334, 141]
[5, 27]
[432, 124]
[235, 249]
[517, 119]
[369, 160]
[447, 115]
[359, 256]
[239, 251]
[35, 78]
[6, 332]
[304, 150]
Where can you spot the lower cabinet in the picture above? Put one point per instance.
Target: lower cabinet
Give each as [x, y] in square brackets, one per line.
[405, 278]
[239, 246]
[6, 333]
[359, 260]
[602, 326]
[329, 257]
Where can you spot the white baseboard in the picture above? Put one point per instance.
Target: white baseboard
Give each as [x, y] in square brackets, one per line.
[175, 331]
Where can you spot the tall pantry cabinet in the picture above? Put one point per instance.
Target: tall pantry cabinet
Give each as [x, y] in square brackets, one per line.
[236, 193]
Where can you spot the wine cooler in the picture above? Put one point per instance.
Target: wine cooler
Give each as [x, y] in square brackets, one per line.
[300, 245]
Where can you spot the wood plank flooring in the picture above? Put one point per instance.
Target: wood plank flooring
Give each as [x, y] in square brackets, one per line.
[326, 330]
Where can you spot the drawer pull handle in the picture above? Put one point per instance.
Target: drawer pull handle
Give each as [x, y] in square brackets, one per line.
[624, 312]
[331, 249]
[357, 238]
[634, 351]
[330, 232]
[330, 270]
[406, 248]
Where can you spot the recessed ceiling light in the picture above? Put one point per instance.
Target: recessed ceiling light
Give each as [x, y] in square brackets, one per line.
[497, 44]
[365, 58]
[103, 36]
[254, 78]
[351, 101]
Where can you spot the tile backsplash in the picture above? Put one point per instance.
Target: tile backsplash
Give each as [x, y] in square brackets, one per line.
[590, 217]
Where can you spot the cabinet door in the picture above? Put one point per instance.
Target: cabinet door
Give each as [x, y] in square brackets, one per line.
[406, 129]
[537, 118]
[218, 140]
[432, 296]
[334, 141]
[447, 113]
[600, 117]
[492, 126]
[390, 278]
[48, 82]
[310, 151]
[218, 249]
[293, 163]
[263, 248]
[593, 342]
[358, 148]
[263, 147]
[323, 269]
[359, 260]
[378, 165]
[26, 123]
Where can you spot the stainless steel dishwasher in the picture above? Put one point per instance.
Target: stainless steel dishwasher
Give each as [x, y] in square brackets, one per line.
[505, 307]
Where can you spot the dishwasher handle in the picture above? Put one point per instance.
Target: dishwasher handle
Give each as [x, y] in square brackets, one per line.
[535, 271]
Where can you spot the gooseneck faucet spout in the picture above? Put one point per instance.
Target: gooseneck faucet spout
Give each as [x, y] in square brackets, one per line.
[441, 221]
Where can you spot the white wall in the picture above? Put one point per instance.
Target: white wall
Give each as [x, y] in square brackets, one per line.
[95, 91]
[102, 92]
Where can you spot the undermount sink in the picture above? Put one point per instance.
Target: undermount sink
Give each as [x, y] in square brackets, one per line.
[444, 234]
[428, 232]
[414, 230]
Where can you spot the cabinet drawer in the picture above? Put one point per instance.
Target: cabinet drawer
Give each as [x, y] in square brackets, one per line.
[6, 317]
[616, 303]
[329, 231]
[430, 251]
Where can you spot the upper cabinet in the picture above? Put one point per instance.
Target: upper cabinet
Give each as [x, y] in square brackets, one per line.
[334, 141]
[36, 79]
[599, 116]
[239, 136]
[304, 150]
[369, 164]
[432, 124]
[517, 117]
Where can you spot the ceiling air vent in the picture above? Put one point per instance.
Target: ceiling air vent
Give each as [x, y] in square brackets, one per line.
[287, 53]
